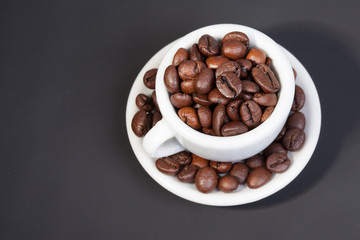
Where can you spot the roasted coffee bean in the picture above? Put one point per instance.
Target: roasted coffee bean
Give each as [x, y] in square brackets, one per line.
[256, 55]
[144, 102]
[232, 109]
[189, 116]
[237, 36]
[141, 123]
[233, 128]
[266, 114]
[299, 99]
[250, 86]
[240, 171]
[294, 139]
[154, 100]
[214, 62]
[181, 55]
[258, 177]
[296, 120]
[208, 131]
[245, 96]
[167, 166]
[277, 162]
[229, 84]
[206, 179]
[205, 116]
[230, 66]
[187, 174]
[255, 161]
[228, 184]
[265, 78]
[234, 50]
[274, 147]
[208, 45]
[221, 167]
[189, 69]
[205, 81]
[183, 158]
[295, 73]
[218, 118]
[265, 99]
[281, 134]
[199, 161]
[268, 61]
[216, 97]
[250, 113]
[188, 86]
[201, 99]
[245, 66]
[180, 100]
[195, 53]
[171, 79]
[156, 116]
[149, 78]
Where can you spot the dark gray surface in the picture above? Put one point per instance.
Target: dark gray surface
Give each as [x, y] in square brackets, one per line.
[67, 170]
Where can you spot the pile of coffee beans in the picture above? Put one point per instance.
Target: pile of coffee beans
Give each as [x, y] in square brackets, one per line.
[222, 88]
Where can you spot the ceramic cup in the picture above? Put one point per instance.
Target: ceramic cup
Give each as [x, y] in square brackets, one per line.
[171, 135]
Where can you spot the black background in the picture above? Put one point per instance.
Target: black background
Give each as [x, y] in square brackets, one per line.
[67, 170]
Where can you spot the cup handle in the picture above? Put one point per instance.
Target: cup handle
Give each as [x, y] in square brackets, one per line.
[160, 141]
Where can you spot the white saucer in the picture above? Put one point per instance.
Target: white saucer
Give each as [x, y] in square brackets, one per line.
[243, 194]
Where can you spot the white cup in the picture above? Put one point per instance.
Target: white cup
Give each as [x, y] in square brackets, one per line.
[171, 135]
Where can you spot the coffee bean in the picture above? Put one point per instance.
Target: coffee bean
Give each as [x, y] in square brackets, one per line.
[187, 174]
[205, 116]
[180, 100]
[232, 109]
[218, 118]
[234, 50]
[237, 36]
[167, 166]
[255, 161]
[258, 177]
[189, 69]
[256, 55]
[274, 147]
[233, 128]
[228, 184]
[299, 99]
[296, 120]
[156, 116]
[195, 53]
[183, 158]
[229, 84]
[265, 78]
[220, 167]
[230, 66]
[294, 139]
[141, 123]
[277, 163]
[250, 113]
[199, 161]
[250, 86]
[188, 86]
[245, 96]
[171, 79]
[240, 171]
[206, 179]
[208, 131]
[208, 45]
[144, 102]
[245, 66]
[214, 62]
[268, 61]
[216, 97]
[189, 116]
[265, 99]
[181, 55]
[201, 99]
[154, 100]
[149, 78]
[266, 114]
[205, 81]
[281, 134]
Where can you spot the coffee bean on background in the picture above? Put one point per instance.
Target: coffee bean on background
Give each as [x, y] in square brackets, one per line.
[195, 53]
[296, 120]
[250, 86]
[258, 177]
[218, 118]
[180, 100]
[228, 184]
[277, 162]
[250, 113]
[215, 96]
[208, 131]
[293, 139]
[167, 166]
[220, 167]
[274, 147]
[141, 123]
[156, 116]
[266, 114]
[189, 69]
[299, 99]
[240, 171]
[245, 66]
[265, 78]
[230, 66]
[181, 55]
[205, 116]
[214, 62]
[144, 102]
[171, 79]
[199, 161]
[154, 100]
[265, 99]
[237, 36]
[187, 174]
[201, 99]
[208, 45]
[206, 179]
[149, 78]
[268, 61]
[255, 161]
[233, 128]
[190, 117]
[183, 158]
[232, 109]
[234, 50]
[205, 81]
[229, 84]
[256, 55]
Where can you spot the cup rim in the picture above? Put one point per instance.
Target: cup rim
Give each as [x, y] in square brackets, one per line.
[282, 109]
